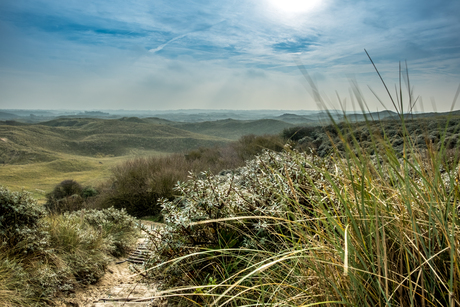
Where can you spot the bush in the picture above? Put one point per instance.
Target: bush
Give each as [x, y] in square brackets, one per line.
[136, 185]
[69, 196]
[88, 192]
[199, 219]
[66, 196]
[65, 189]
[20, 217]
[119, 229]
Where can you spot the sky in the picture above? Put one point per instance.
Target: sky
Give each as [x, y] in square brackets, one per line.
[226, 54]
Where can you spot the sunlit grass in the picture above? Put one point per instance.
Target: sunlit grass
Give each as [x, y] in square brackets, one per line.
[40, 178]
[352, 228]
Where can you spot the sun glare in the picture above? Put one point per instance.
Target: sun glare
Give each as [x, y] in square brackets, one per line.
[295, 6]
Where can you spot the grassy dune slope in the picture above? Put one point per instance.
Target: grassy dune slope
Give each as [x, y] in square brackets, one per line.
[38, 156]
[40, 177]
[93, 137]
[234, 129]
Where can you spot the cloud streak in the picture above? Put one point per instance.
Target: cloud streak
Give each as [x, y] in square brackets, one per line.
[159, 48]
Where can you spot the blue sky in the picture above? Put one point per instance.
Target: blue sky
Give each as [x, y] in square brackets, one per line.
[226, 54]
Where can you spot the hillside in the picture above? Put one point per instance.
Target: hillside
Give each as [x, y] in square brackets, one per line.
[234, 129]
[93, 137]
[38, 156]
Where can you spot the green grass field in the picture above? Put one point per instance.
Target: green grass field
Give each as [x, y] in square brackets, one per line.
[39, 178]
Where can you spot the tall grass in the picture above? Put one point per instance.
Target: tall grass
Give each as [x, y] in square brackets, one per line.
[353, 228]
[13, 290]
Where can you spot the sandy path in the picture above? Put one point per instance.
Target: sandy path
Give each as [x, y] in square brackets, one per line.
[118, 282]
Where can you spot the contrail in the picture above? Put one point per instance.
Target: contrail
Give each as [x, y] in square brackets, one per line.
[165, 44]
[153, 50]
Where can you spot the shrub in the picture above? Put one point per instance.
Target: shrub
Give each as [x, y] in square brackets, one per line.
[254, 190]
[66, 188]
[136, 185]
[88, 192]
[67, 196]
[20, 216]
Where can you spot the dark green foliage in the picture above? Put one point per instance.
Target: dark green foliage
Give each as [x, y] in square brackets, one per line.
[66, 188]
[69, 196]
[88, 192]
[424, 132]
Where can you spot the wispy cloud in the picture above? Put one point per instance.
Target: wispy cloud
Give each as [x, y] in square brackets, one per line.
[247, 42]
[168, 42]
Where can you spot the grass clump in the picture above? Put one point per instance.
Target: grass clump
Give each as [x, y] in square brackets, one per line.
[13, 290]
[115, 226]
[357, 227]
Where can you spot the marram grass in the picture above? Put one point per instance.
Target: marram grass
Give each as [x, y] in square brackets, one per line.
[294, 229]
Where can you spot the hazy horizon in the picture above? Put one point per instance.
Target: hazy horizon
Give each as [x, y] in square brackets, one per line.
[234, 55]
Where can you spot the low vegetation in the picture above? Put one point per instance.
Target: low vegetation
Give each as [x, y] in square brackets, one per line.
[429, 131]
[137, 184]
[44, 254]
[369, 217]
[293, 229]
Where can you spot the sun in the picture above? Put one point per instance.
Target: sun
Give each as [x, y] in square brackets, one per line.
[295, 6]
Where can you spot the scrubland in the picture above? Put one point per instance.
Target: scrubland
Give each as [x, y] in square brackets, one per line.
[360, 214]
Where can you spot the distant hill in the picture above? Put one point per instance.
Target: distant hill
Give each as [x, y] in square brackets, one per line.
[92, 137]
[8, 116]
[372, 116]
[292, 118]
[22, 143]
[234, 129]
